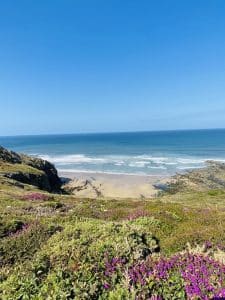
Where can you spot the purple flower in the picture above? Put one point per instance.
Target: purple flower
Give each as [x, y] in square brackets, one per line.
[106, 285]
[137, 214]
[202, 277]
[111, 265]
[36, 196]
[208, 245]
[23, 229]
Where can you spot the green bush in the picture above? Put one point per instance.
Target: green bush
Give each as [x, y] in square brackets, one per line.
[73, 261]
[10, 227]
[23, 244]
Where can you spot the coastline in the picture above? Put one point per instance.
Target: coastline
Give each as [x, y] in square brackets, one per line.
[109, 185]
[124, 186]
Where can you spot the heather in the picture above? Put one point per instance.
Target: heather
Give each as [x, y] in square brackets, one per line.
[187, 275]
[94, 259]
[56, 246]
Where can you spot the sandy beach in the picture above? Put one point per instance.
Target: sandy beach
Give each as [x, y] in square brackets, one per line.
[93, 185]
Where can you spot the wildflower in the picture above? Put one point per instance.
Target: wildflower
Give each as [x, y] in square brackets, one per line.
[36, 196]
[137, 214]
[106, 285]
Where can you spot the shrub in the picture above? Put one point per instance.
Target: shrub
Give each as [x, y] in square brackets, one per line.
[192, 276]
[73, 261]
[36, 197]
[54, 205]
[10, 227]
[23, 243]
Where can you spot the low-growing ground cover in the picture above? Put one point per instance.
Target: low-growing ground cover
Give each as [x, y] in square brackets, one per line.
[95, 259]
[56, 246]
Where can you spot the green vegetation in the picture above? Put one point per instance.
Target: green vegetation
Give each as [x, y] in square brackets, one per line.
[14, 168]
[55, 246]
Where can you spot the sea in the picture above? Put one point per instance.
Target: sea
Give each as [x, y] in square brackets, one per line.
[139, 153]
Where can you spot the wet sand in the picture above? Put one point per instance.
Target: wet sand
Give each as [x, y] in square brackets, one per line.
[93, 185]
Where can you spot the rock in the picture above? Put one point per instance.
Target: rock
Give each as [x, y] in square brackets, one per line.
[34, 171]
[45, 166]
[41, 181]
[9, 156]
[210, 177]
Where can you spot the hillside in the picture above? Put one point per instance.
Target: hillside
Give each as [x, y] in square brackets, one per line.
[208, 178]
[29, 170]
[56, 246]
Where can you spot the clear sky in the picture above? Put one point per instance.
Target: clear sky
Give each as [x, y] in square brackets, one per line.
[71, 66]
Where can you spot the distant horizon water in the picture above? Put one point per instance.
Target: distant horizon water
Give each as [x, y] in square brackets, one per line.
[140, 153]
[108, 132]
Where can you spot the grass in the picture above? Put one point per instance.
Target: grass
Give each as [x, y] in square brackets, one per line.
[14, 168]
[59, 244]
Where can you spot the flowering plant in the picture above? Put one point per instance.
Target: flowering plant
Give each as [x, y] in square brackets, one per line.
[36, 196]
[195, 276]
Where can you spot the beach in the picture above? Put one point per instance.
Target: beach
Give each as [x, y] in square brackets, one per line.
[122, 165]
[140, 153]
[94, 185]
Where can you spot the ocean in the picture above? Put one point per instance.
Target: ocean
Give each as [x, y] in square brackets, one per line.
[140, 153]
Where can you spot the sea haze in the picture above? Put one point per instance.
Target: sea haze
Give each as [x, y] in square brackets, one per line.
[143, 153]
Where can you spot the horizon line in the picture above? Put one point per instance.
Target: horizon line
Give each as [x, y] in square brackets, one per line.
[111, 132]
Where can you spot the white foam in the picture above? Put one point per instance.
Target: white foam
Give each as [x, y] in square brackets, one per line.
[126, 164]
[160, 167]
[192, 167]
[73, 159]
[138, 164]
[106, 172]
[191, 160]
[156, 159]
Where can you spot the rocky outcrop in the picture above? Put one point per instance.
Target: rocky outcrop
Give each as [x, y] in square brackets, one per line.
[45, 166]
[9, 156]
[29, 170]
[39, 180]
[208, 178]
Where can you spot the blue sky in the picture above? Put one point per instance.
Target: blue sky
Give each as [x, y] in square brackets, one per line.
[71, 66]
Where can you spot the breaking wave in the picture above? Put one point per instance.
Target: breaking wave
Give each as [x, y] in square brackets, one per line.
[126, 164]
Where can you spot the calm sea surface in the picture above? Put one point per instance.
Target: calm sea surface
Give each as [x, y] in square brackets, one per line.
[152, 153]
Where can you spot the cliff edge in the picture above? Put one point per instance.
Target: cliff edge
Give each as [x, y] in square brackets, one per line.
[29, 170]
